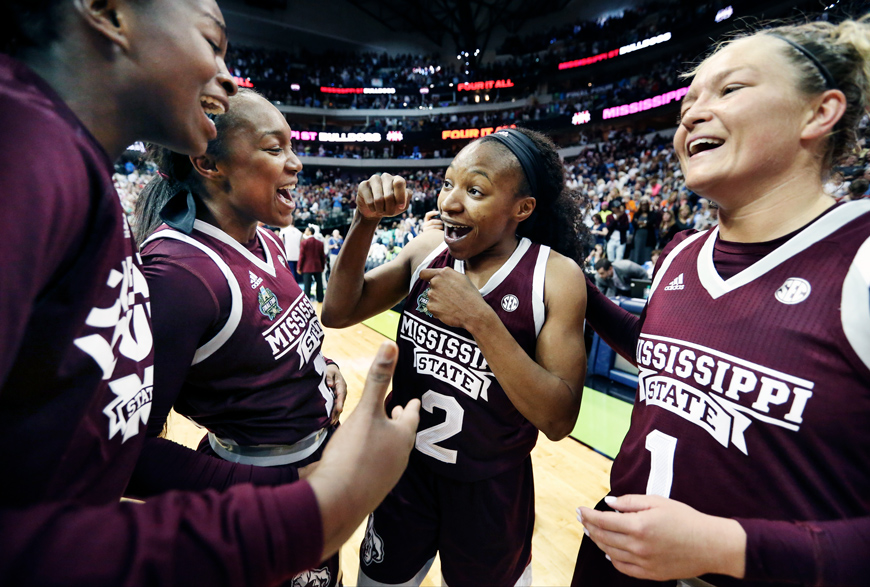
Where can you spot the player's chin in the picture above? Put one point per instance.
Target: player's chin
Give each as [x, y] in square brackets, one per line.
[279, 220]
[193, 141]
[459, 252]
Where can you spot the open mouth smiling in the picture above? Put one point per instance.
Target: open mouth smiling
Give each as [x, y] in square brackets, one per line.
[454, 231]
[702, 144]
[284, 192]
[212, 107]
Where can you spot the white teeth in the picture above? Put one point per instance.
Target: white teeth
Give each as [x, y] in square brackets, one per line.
[211, 106]
[694, 146]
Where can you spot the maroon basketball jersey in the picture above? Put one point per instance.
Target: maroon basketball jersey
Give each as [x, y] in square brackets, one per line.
[754, 391]
[75, 332]
[469, 429]
[260, 378]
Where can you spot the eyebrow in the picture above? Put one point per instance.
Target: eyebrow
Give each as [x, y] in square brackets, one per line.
[218, 22]
[476, 171]
[719, 77]
[273, 133]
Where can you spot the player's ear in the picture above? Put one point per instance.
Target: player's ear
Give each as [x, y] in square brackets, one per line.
[109, 17]
[524, 208]
[206, 166]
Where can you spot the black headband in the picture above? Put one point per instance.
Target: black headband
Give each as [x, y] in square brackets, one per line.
[829, 79]
[526, 152]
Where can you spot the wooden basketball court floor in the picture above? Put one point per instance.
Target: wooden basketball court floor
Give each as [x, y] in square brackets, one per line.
[567, 473]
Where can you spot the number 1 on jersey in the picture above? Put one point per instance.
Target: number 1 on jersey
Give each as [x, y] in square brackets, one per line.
[452, 425]
[661, 472]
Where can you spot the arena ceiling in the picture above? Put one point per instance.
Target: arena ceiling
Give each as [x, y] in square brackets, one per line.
[441, 26]
[469, 23]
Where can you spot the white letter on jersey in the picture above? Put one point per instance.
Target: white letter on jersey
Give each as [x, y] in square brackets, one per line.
[661, 473]
[451, 426]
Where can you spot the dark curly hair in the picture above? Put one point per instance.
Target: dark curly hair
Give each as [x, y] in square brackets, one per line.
[558, 222]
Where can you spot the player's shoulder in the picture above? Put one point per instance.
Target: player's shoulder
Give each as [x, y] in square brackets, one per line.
[559, 263]
[179, 264]
[677, 240]
[29, 116]
[564, 277]
[857, 220]
[168, 247]
[420, 248]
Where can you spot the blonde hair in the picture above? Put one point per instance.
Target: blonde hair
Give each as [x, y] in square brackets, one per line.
[844, 50]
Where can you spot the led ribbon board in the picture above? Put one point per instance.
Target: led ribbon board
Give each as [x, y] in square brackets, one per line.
[487, 85]
[331, 90]
[471, 133]
[337, 137]
[643, 105]
[616, 52]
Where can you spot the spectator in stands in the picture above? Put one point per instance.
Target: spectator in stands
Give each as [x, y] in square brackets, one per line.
[292, 238]
[614, 277]
[312, 260]
[668, 228]
[650, 265]
[333, 246]
[617, 230]
[704, 215]
[594, 257]
[860, 188]
[644, 224]
[685, 220]
[748, 457]
[598, 230]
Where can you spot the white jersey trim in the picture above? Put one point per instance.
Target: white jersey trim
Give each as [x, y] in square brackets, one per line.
[830, 223]
[425, 264]
[538, 309]
[218, 340]
[271, 236]
[670, 259]
[855, 304]
[213, 231]
[499, 276]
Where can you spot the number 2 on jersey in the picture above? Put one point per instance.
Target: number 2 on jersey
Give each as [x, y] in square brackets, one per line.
[427, 439]
[661, 471]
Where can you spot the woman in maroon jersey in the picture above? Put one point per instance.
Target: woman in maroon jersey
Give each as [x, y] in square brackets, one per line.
[237, 342]
[81, 81]
[748, 456]
[489, 338]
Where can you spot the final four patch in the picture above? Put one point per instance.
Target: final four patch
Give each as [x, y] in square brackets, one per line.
[268, 303]
[423, 302]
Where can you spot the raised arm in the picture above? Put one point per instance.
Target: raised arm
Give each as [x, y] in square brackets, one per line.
[354, 295]
[545, 389]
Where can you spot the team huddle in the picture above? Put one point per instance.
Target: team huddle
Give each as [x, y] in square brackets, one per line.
[746, 462]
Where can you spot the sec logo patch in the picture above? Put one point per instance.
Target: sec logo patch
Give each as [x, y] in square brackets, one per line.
[509, 303]
[793, 291]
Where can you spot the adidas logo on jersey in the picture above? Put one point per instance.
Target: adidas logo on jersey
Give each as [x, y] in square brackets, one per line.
[677, 283]
[255, 281]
